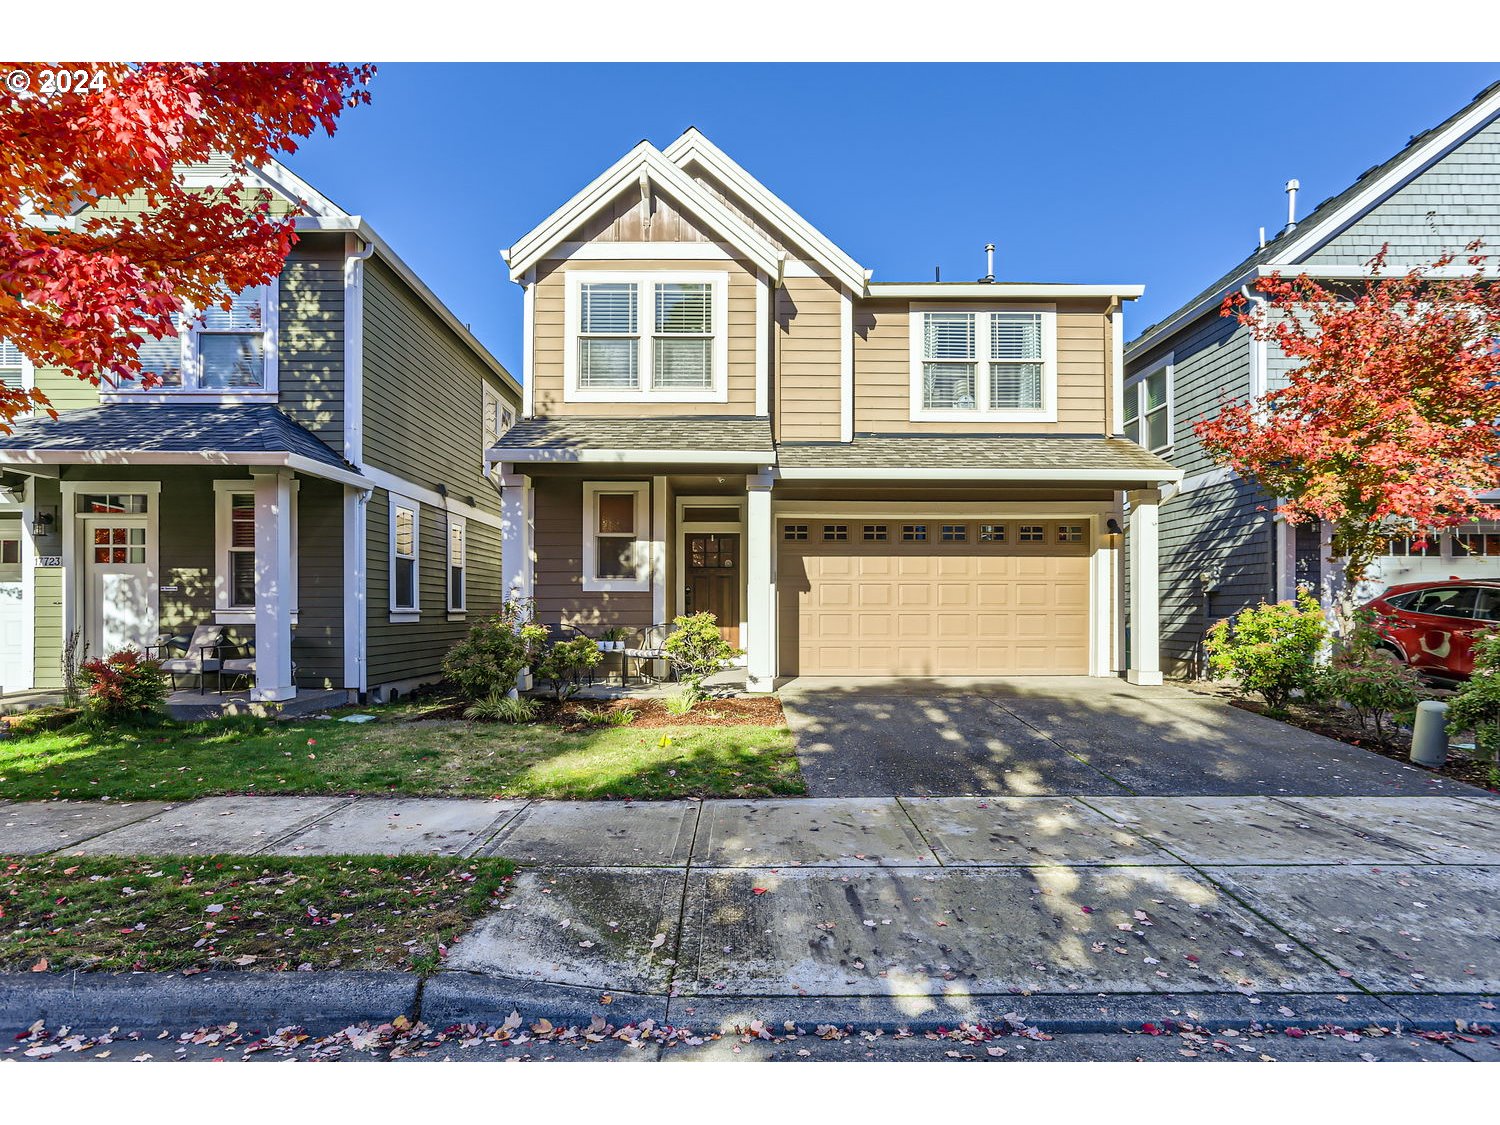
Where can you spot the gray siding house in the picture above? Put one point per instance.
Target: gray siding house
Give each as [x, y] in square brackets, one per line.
[1222, 545]
[309, 476]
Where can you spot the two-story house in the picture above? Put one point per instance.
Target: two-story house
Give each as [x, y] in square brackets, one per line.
[1223, 545]
[309, 476]
[724, 413]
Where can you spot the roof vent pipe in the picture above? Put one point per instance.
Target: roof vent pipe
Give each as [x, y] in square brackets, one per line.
[1291, 204]
[989, 262]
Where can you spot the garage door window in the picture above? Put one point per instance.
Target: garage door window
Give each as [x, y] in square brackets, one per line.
[795, 531]
[875, 533]
[1033, 533]
[955, 533]
[992, 533]
[1069, 533]
[835, 532]
[914, 533]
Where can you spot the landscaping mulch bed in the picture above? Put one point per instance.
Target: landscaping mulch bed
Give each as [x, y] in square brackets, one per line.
[729, 711]
[1394, 745]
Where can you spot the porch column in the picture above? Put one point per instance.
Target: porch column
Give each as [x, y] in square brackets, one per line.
[274, 595]
[515, 533]
[1145, 591]
[760, 585]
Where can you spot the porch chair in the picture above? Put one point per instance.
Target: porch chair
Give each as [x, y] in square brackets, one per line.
[649, 644]
[201, 653]
[242, 665]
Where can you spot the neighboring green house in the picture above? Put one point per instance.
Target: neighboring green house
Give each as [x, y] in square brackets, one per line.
[310, 476]
[1223, 547]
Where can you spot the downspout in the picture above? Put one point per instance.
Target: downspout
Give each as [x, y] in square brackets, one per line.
[357, 615]
[1259, 384]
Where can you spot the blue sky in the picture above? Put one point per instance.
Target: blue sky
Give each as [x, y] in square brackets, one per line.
[1158, 174]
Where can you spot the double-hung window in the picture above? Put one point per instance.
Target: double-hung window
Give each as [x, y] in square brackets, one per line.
[405, 542]
[457, 564]
[217, 352]
[15, 368]
[234, 554]
[617, 544]
[648, 336]
[1148, 408]
[984, 363]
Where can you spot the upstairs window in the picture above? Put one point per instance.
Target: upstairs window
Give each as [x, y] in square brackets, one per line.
[1148, 408]
[15, 368]
[219, 352]
[992, 363]
[644, 336]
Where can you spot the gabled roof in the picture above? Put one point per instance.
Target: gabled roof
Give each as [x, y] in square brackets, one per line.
[1335, 214]
[644, 160]
[694, 147]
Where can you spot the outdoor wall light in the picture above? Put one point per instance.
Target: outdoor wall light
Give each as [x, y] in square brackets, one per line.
[1112, 525]
[42, 523]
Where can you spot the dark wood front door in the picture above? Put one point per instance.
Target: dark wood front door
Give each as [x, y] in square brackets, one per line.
[711, 579]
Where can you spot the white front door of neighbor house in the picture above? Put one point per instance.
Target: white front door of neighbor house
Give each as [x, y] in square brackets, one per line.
[14, 675]
[120, 612]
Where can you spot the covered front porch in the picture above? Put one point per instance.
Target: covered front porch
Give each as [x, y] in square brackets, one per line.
[227, 563]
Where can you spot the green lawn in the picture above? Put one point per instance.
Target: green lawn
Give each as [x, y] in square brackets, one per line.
[448, 758]
[205, 912]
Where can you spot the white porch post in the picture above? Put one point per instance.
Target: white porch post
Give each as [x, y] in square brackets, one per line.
[1145, 592]
[1286, 559]
[274, 596]
[760, 585]
[515, 536]
[355, 564]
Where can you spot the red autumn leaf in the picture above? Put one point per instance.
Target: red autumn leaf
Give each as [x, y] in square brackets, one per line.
[101, 241]
[759, 890]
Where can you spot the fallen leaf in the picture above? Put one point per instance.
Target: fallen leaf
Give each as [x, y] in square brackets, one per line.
[40, 966]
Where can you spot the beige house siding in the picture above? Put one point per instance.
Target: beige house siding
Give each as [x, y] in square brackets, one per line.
[882, 374]
[310, 351]
[550, 339]
[558, 589]
[807, 361]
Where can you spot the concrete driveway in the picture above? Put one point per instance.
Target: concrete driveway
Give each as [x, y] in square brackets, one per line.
[1066, 736]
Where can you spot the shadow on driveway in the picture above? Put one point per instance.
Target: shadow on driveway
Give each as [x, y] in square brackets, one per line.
[1066, 735]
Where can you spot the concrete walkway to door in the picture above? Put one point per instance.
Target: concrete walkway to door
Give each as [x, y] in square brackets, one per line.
[1066, 736]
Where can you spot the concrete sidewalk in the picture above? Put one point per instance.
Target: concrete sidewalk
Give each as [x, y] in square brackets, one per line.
[885, 909]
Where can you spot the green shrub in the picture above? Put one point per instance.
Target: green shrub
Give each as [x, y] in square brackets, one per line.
[696, 649]
[492, 656]
[1370, 679]
[562, 664]
[123, 685]
[498, 707]
[607, 716]
[1270, 649]
[681, 701]
[1476, 704]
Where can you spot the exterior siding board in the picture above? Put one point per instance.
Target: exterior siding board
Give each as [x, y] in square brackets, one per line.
[808, 346]
[310, 353]
[560, 598]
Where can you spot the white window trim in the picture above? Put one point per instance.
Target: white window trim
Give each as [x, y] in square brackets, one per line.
[717, 280]
[412, 612]
[982, 413]
[224, 613]
[192, 389]
[27, 373]
[641, 583]
[1136, 385]
[491, 400]
[458, 612]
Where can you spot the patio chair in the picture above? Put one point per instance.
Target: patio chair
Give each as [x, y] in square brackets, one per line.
[201, 653]
[242, 665]
[648, 645]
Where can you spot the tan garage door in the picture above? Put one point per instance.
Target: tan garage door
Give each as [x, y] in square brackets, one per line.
[898, 598]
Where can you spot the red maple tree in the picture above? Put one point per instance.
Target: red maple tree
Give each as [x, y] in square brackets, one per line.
[100, 242]
[1387, 423]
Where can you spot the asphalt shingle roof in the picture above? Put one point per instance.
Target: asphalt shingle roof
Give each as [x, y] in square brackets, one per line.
[750, 435]
[923, 452]
[151, 427]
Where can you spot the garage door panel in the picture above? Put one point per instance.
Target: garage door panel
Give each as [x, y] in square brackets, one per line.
[936, 607]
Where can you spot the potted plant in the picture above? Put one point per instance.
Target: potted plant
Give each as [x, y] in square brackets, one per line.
[613, 639]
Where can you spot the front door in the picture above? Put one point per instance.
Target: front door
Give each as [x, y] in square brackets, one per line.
[14, 674]
[711, 579]
[119, 609]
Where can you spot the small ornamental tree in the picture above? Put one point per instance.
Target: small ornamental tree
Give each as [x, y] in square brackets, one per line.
[1388, 416]
[696, 650]
[100, 241]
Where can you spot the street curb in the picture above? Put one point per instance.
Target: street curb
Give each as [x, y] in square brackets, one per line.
[141, 1000]
[462, 997]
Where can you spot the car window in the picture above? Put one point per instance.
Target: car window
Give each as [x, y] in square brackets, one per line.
[1487, 605]
[1446, 601]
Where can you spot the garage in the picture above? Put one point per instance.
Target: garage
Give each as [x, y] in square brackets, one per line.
[867, 597]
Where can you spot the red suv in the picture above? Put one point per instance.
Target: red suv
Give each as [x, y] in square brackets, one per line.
[1431, 625]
